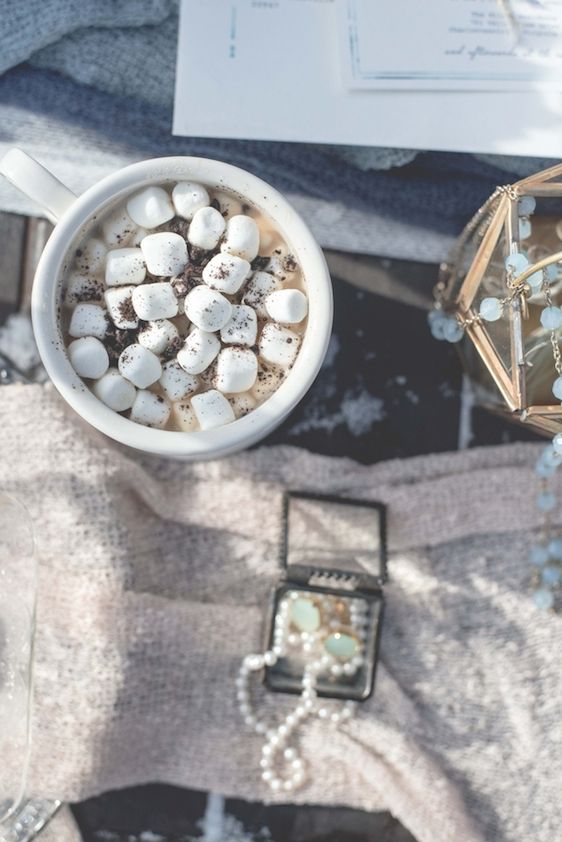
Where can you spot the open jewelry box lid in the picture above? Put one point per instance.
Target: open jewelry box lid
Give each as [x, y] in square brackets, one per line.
[337, 538]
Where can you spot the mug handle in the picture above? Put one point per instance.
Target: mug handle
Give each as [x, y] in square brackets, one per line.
[25, 173]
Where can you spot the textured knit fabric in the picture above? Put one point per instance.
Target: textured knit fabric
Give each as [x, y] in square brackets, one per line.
[154, 581]
[91, 89]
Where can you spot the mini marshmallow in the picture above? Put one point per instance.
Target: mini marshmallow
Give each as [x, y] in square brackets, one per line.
[199, 351]
[237, 369]
[242, 237]
[279, 345]
[260, 285]
[120, 305]
[268, 381]
[156, 336]
[206, 229]
[165, 253]
[242, 327]
[118, 228]
[184, 417]
[151, 207]
[242, 404]
[150, 409]
[207, 309]
[288, 306]
[88, 357]
[189, 197]
[176, 382]
[83, 288]
[226, 272]
[88, 320]
[212, 409]
[124, 266]
[114, 391]
[139, 365]
[155, 301]
[229, 206]
[90, 258]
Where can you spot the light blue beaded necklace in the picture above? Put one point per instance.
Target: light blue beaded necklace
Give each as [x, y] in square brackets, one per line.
[546, 555]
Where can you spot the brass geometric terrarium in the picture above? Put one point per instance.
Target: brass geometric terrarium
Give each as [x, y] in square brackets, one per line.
[501, 287]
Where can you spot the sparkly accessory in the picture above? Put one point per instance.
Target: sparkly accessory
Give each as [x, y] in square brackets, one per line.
[500, 288]
[323, 642]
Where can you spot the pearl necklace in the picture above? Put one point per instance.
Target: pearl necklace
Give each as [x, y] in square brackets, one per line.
[282, 767]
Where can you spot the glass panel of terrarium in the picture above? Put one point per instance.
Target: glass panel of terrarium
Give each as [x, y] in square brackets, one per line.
[493, 285]
[476, 254]
[543, 242]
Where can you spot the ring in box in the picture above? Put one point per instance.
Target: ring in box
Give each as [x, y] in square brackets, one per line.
[328, 605]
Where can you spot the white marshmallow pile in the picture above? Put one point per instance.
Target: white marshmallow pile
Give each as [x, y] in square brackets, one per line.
[119, 301]
[165, 253]
[158, 335]
[237, 369]
[124, 266]
[242, 237]
[88, 357]
[155, 301]
[174, 319]
[198, 352]
[226, 272]
[242, 326]
[207, 309]
[140, 366]
[206, 229]
[115, 391]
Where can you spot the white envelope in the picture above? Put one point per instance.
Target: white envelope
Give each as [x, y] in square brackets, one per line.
[271, 70]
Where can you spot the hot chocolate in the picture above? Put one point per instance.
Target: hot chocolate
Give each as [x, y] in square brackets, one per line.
[184, 308]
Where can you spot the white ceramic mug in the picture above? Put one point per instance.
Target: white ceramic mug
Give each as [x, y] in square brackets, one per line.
[73, 216]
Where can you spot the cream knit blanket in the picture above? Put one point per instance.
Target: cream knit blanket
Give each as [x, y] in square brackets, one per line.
[154, 578]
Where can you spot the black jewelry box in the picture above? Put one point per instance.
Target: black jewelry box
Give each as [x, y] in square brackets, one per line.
[338, 554]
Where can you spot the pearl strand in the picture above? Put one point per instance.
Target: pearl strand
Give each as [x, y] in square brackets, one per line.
[277, 738]
[282, 767]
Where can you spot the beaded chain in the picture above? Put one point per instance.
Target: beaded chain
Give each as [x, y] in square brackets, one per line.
[546, 555]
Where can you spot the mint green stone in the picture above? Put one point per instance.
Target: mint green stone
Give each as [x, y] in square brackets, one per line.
[305, 615]
[341, 645]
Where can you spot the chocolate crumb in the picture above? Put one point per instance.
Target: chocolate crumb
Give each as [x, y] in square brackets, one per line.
[187, 280]
[290, 264]
[259, 263]
[152, 279]
[196, 254]
[177, 225]
[127, 311]
[116, 340]
[173, 348]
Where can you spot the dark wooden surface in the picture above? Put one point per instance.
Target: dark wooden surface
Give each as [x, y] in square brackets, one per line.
[387, 390]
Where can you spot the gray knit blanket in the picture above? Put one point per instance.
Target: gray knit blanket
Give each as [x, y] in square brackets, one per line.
[86, 86]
